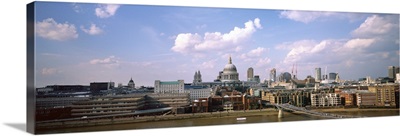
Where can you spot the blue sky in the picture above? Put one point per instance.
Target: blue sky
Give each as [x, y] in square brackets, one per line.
[80, 43]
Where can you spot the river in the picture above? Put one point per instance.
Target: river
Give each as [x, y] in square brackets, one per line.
[219, 121]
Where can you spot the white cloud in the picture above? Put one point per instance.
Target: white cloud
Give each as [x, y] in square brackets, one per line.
[253, 54]
[188, 43]
[377, 25]
[372, 36]
[105, 11]
[305, 16]
[48, 71]
[93, 30]
[308, 51]
[263, 62]
[358, 43]
[112, 60]
[257, 52]
[208, 64]
[52, 30]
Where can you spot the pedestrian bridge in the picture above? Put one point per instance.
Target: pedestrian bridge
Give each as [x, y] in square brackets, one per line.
[302, 110]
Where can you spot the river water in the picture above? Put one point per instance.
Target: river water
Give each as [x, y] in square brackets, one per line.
[218, 121]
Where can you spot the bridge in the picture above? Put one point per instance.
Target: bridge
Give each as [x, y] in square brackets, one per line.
[303, 110]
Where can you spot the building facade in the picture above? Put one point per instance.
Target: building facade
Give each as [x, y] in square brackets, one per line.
[108, 105]
[169, 86]
[96, 87]
[391, 72]
[318, 76]
[250, 74]
[385, 94]
[196, 93]
[348, 99]
[272, 75]
[325, 99]
[366, 99]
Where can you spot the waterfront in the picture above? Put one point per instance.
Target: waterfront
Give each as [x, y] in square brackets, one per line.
[268, 116]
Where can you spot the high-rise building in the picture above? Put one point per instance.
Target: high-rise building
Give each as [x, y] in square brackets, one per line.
[318, 77]
[250, 74]
[391, 72]
[272, 75]
[256, 78]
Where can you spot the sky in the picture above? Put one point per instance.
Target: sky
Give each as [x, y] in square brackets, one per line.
[79, 43]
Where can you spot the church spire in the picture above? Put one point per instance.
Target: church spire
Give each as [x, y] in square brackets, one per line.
[230, 60]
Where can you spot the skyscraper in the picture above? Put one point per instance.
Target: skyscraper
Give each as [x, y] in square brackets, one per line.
[391, 72]
[272, 75]
[250, 74]
[318, 74]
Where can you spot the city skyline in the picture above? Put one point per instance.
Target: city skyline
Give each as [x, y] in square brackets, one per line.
[83, 43]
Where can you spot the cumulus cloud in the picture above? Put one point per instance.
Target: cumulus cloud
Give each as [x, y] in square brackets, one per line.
[193, 42]
[208, 64]
[255, 53]
[358, 43]
[376, 25]
[52, 30]
[48, 71]
[263, 62]
[359, 48]
[107, 10]
[305, 16]
[92, 30]
[111, 60]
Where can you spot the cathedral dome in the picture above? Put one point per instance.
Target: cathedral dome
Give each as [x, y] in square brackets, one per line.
[230, 73]
[230, 67]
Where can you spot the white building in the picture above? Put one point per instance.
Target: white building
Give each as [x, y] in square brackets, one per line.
[325, 99]
[196, 93]
[169, 86]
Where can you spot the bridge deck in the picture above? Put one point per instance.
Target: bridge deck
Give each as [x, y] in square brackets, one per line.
[312, 113]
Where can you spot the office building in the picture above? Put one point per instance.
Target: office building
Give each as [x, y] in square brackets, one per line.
[318, 76]
[272, 75]
[391, 72]
[250, 74]
[169, 86]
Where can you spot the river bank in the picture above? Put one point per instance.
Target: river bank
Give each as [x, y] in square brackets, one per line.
[127, 120]
[342, 110]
